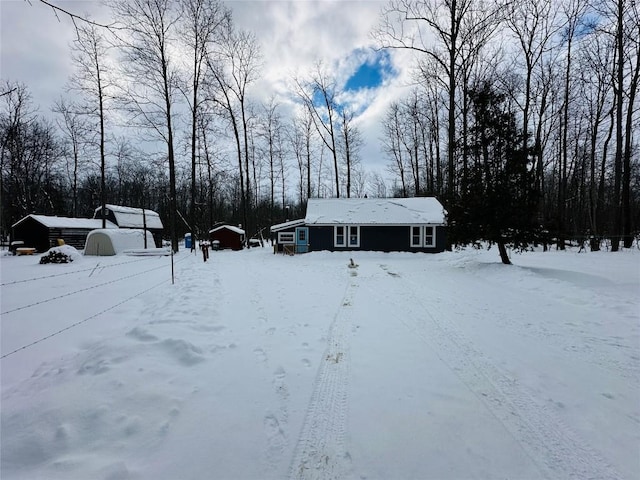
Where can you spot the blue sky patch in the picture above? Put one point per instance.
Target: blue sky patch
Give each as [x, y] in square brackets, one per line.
[371, 73]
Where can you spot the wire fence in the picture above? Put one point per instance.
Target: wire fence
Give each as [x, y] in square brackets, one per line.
[80, 322]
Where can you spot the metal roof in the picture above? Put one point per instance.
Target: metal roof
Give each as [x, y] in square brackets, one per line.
[375, 211]
[66, 222]
[285, 225]
[130, 217]
[237, 230]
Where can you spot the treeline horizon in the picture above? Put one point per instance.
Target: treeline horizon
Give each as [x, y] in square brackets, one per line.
[523, 121]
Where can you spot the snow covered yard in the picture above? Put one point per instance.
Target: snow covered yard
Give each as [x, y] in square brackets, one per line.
[261, 366]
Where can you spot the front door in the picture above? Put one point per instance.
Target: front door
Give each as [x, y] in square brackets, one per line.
[302, 240]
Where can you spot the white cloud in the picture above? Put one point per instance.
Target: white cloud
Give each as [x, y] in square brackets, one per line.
[293, 35]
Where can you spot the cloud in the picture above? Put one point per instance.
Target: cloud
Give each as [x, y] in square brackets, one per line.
[294, 36]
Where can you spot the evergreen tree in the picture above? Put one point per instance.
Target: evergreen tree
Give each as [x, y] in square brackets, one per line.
[497, 200]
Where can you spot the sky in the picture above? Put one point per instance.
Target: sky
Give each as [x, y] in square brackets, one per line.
[293, 35]
[438, 366]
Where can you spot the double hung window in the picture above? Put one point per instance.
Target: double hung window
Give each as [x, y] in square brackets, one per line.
[346, 236]
[423, 236]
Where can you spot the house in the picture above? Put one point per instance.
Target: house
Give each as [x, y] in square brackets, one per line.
[379, 224]
[227, 236]
[287, 235]
[128, 217]
[43, 232]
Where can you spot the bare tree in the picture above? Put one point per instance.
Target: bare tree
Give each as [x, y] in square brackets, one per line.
[149, 96]
[446, 31]
[350, 145]
[203, 21]
[319, 96]
[233, 66]
[74, 127]
[393, 125]
[271, 134]
[89, 51]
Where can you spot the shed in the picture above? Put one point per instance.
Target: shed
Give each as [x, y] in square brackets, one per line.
[227, 236]
[284, 235]
[381, 224]
[106, 242]
[42, 231]
[129, 217]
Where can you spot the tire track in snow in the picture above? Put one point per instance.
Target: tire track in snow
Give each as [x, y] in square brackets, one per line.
[320, 452]
[556, 450]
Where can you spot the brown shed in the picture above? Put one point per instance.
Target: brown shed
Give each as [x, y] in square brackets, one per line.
[227, 236]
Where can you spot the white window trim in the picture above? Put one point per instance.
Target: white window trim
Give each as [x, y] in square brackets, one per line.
[433, 236]
[357, 244]
[286, 238]
[420, 236]
[422, 242]
[346, 236]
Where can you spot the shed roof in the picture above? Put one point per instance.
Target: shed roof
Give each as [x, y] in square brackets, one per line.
[237, 230]
[130, 217]
[285, 225]
[375, 211]
[66, 222]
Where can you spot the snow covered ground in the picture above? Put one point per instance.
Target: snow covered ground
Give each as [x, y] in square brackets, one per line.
[262, 366]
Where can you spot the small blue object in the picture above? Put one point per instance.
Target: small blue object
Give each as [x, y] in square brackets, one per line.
[187, 240]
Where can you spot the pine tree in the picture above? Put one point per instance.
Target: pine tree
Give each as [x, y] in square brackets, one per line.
[497, 200]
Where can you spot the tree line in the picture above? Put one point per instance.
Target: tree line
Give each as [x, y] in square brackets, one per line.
[524, 117]
[523, 121]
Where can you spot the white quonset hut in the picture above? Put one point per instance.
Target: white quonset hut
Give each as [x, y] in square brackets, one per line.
[106, 242]
[129, 217]
[381, 224]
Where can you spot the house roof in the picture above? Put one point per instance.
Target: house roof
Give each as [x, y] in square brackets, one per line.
[66, 222]
[285, 225]
[130, 217]
[237, 230]
[375, 211]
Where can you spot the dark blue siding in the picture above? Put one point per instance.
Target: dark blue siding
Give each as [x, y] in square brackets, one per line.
[375, 238]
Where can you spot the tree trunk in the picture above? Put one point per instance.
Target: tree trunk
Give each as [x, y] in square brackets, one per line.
[504, 256]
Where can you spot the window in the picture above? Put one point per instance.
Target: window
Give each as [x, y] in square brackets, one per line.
[423, 236]
[339, 240]
[346, 236]
[302, 235]
[285, 238]
[354, 236]
[416, 236]
[429, 236]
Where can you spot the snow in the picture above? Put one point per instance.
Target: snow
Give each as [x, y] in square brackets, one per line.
[262, 366]
[290, 224]
[129, 217]
[122, 240]
[237, 230]
[375, 211]
[66, 222]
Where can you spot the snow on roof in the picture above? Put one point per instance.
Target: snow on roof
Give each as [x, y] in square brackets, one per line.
[130, 217]
[237, 230]
[285, 225]
[375, 211]
[66, 222]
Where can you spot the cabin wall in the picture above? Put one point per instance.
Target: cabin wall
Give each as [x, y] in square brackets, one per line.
[375, 238]
[278, 247]
[33, 234]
